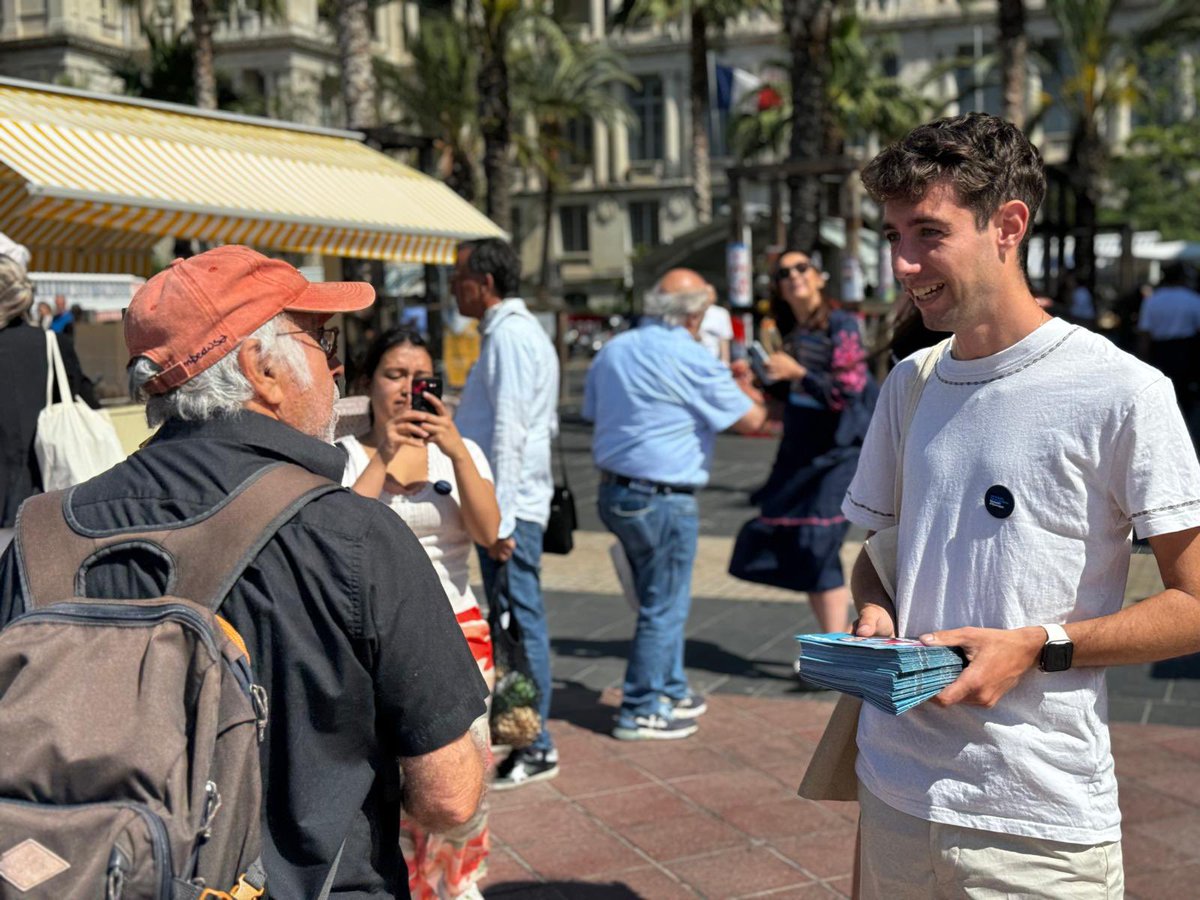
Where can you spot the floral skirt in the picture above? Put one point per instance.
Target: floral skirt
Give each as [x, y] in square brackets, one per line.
[448, 864]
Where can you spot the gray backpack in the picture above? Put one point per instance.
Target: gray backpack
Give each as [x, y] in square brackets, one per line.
[129, 729]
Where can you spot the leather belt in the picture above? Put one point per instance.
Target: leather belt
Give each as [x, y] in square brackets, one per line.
[643, 484]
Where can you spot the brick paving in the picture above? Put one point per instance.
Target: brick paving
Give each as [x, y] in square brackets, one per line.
[716, 815]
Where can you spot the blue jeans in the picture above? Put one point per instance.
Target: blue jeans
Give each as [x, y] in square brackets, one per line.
[525, 588]
[659, 534]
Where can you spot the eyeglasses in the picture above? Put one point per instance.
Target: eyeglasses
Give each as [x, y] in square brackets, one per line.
[327, 339]
[786, 271]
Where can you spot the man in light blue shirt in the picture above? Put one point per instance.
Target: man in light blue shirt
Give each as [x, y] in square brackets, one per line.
[1169, 326]
[658, 399]
[509, 408]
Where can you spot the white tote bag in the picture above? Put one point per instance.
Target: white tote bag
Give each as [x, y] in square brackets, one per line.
[74, 442]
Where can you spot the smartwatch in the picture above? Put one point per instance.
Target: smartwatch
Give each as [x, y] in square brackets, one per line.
[1057, 651]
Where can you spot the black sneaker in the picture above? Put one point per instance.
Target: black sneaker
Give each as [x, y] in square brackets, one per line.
[690, 707]
[653, 727]
[525, 767]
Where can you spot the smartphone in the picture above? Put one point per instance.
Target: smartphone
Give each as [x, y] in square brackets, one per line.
[758, 362]
[429, 384]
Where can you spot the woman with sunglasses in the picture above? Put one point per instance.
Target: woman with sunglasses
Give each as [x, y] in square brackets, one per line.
[821, 375]
[415, 461]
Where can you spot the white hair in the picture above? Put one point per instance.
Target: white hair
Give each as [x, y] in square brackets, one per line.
[676, 307]
[221, 389]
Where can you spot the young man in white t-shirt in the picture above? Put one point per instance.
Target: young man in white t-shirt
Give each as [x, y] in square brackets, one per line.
[1036, 449]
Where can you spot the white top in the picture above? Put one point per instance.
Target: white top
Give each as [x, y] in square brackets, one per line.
[716, 326]
[434, 517]
[1090, 443]
[1171, 313]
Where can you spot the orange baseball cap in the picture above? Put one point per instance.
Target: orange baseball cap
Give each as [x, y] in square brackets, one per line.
[196, 310]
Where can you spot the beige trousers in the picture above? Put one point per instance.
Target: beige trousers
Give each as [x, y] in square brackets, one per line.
[905, 857]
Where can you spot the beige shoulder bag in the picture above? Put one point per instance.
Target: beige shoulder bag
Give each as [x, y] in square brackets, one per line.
[830, 774]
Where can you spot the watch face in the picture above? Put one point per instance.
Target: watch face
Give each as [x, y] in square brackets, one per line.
[1056, 656]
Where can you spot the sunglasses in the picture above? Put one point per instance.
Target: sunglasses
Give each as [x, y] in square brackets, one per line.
[786, 271]
[326, 339]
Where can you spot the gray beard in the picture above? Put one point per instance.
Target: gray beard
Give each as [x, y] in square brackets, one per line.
[331, 429]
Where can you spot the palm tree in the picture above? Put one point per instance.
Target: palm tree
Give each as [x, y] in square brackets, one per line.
[808, 25]
[438, 94]
[204, 72]
[701, 16]
[1014, 59]
[499, 28]
[352, 26]
[557, 81]
[1099, 72]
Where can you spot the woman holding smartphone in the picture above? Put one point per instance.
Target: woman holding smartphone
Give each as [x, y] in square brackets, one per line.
[414, 460]
[821, 376]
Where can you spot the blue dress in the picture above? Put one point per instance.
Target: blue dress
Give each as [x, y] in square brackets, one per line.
[796, 541]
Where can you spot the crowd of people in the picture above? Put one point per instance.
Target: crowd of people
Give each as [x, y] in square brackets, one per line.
[1026, 463]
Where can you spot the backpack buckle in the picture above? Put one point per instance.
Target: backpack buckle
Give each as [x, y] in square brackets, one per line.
[244, 890]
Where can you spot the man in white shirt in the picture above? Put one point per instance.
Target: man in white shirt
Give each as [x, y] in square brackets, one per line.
[1169, 326]
[716, 332]
[1035, 451]
[509, 408]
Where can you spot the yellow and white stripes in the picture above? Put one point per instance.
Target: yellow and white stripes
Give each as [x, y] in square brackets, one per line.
[95, 177]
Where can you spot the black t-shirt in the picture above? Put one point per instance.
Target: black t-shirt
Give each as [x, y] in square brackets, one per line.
[348, 629]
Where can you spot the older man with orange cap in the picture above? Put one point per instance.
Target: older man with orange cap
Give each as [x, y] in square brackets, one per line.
[345, 621]
[658, 399]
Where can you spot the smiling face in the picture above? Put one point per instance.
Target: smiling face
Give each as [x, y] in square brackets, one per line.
[799, 283]
[948, 266]
[391, 384]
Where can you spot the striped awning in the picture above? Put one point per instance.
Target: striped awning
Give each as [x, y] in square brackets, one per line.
[91, 182]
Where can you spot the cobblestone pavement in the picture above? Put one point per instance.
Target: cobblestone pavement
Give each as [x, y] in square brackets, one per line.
[716, 815]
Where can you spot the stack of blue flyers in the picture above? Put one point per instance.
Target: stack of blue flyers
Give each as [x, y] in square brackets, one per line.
[892, 674]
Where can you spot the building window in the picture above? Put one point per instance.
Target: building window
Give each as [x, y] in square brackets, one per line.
[643, 223]
[574, 223]
[647, 137]
[1056, 120]
[978, 85]
[518, 227]
[578, 138]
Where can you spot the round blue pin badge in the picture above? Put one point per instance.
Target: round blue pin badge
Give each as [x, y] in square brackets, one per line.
[999, 502]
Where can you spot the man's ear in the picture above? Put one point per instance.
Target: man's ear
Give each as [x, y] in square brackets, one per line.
[489, 282]
[262, 374]
[1011, 222]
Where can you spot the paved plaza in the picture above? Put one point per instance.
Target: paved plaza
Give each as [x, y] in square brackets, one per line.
[717, 815]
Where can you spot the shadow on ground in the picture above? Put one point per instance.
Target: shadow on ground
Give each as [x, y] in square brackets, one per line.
[702, 656]
[560, 890]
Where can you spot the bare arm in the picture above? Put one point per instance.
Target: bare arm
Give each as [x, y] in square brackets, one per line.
[876, 612]
[399, 432]
[1160, 627]
[442, 789]
[477, 495]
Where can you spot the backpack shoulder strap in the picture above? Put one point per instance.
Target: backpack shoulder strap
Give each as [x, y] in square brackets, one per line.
[205, 556]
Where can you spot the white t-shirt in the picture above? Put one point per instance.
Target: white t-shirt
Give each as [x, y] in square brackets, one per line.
[1089, 441]
[716, 326]
[1171, 313]
[434, 517]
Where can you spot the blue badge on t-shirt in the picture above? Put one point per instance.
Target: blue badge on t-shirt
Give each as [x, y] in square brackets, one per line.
[998, 501]
[443, 487]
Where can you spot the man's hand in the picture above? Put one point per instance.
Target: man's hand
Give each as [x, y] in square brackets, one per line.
[503, 549]
[998, 658]
[874, 620]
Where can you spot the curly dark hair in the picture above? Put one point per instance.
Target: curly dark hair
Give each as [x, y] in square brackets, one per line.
[987, 160]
